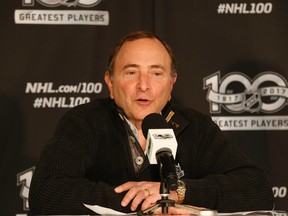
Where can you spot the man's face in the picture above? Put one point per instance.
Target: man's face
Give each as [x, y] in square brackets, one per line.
[141, 83]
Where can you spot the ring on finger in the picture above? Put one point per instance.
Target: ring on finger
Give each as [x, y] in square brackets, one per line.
[147, 191]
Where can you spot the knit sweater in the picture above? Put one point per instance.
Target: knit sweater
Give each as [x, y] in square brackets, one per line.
[89, 155]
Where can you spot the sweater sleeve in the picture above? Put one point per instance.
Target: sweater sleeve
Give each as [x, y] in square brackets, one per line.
[225, 179]
[59, 184]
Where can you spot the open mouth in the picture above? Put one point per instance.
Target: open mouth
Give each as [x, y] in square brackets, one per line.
[142, 100]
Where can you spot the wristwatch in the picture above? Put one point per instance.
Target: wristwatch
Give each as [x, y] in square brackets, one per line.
[181, 191]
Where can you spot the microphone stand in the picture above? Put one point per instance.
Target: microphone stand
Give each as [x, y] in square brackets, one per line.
[165, 203]
[168, 181]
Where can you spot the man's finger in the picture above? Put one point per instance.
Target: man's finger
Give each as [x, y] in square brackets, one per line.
[124, 187]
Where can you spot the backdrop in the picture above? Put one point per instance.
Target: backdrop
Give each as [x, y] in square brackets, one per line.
[232, 63]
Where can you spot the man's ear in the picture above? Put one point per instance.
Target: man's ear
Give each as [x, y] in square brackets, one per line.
[109, 83]
[174, 78]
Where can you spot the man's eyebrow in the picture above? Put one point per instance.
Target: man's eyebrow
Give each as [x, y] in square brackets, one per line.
[157, 66]
[131, 65]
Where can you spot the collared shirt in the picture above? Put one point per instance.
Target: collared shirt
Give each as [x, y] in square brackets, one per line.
[137, 153]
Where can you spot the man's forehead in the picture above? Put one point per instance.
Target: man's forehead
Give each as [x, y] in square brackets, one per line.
[135, 53]
[143, 49]
[144, 42]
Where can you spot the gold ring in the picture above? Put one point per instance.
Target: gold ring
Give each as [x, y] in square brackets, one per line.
[147, 191]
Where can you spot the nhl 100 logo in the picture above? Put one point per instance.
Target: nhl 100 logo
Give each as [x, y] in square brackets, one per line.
[237, 93]
[279, 192]
[68, 3]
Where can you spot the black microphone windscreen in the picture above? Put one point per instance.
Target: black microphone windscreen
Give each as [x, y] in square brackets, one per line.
[153, 121]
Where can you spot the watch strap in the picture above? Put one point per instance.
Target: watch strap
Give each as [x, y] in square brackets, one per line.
[181, 190]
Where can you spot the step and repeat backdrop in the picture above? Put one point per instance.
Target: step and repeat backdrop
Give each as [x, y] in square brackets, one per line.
[232, 64]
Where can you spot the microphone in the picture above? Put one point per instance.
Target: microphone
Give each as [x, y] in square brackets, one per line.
[160, 147]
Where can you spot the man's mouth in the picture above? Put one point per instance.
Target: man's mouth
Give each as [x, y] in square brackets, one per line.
[143, 101]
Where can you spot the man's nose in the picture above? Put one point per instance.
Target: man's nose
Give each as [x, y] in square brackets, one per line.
[143, 82]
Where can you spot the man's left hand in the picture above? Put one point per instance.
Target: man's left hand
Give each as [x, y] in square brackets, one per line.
[146, 192]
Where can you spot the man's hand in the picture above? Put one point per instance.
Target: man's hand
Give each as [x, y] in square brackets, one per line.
[148, 192]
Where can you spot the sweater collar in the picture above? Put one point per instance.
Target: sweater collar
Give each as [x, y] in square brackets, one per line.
[174, 119]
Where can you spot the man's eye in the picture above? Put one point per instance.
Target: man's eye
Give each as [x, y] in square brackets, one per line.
[157, 73]
[131, 72]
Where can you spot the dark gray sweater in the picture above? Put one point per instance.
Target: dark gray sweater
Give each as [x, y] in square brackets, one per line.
[89, 155]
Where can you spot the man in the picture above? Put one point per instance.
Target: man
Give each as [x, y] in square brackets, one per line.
[97, 153]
